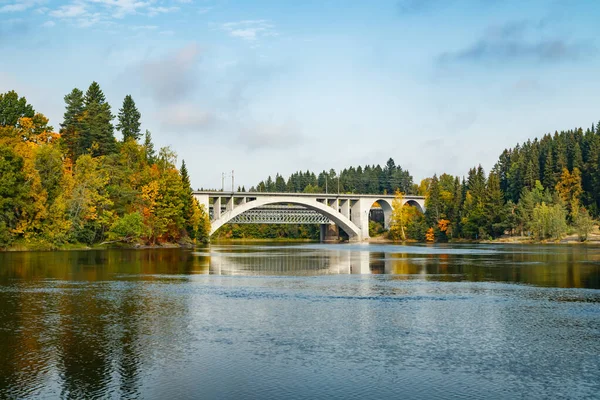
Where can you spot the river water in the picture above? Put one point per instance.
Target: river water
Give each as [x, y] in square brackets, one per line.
[306, 321]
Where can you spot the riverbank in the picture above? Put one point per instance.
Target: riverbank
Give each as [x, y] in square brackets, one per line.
[19, 247]
[573, 239]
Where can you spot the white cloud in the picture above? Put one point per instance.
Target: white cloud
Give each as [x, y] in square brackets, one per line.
[153, 11]
[167, 33]
[49, 24]
[69, 11]
[19, 5]
[144, 27]
[249, 30]
[121, 8]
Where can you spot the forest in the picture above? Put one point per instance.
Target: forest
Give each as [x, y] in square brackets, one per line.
[541, 189]
[82, 186]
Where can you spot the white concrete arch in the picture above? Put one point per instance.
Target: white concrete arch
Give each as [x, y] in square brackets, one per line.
[414, 203]
[386, 207]
[353, 231]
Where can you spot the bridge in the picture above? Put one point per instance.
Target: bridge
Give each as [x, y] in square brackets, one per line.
[350, 212]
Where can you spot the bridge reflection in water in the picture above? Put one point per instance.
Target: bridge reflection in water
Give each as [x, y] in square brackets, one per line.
[315, 262]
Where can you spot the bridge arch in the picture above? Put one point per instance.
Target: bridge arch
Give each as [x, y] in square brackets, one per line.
[416, 204]
[353, 231]
[386, 207]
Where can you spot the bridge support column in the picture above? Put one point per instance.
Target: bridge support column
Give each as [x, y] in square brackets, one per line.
[360, 216]
[217, 208]
[230, 204]
[329, 233]
[345, 208]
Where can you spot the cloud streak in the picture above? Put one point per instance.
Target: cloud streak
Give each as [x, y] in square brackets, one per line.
[249, 30]
[514, 42]
[172, 77]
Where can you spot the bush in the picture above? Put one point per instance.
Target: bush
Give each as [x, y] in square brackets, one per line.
[128, 228]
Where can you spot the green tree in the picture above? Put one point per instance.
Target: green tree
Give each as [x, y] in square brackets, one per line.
[13, 108]
[494, 209]
[549, 221]
[129, 120]
[129, 228]
[97, 130]
[14, 191]
[584, 224]
[71, 127]
[149, 148]
[49, 165]
[187, 199]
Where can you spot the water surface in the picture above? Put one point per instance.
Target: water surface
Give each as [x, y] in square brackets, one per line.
[302, 322]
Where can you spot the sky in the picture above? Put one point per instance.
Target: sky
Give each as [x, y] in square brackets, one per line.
[266, 87]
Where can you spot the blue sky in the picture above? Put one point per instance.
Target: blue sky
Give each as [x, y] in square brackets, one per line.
[261, 87]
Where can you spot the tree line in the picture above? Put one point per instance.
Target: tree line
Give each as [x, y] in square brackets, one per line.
[543, 189]
[370, 179]
[81, 185]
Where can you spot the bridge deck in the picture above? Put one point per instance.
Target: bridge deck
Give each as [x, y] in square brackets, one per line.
[215, 193]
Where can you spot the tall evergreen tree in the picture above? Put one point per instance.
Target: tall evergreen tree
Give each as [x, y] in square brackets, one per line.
[71, 127]
[129, 120]
[149, 148]
[187, 200]
[97, 130]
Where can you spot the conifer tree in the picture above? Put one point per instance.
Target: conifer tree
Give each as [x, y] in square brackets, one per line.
[97, 130]
[129, 120]
[187, 200]
[149, 148]
[71, 127]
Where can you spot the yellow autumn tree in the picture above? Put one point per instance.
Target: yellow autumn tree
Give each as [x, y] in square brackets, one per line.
[570, 190]
[399, 218]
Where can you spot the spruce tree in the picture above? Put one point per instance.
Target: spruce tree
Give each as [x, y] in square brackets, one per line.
[149, 148]
[129, 120]
[97, 129]
[71, 127]
[187, 198]
[549, 178]
[494, 206]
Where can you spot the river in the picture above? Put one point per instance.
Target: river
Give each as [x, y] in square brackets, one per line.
[302, 321]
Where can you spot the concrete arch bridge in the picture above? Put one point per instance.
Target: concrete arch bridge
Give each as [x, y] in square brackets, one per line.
[349, 212]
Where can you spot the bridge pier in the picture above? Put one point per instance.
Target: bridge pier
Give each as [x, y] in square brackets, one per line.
[330, 233]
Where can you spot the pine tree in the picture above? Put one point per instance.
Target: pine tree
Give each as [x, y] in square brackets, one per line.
[187, 199]
[548, 180]
[71, 126]
[129, 120]
[494, 206]
[433, 202]
[97, 130]
[149, 148]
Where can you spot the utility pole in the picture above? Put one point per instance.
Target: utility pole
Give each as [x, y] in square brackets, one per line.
[232, 182]
[326, 176]
[222, 181]
[338, 184]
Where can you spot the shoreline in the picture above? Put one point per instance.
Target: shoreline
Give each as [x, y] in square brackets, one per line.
[521, 240]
